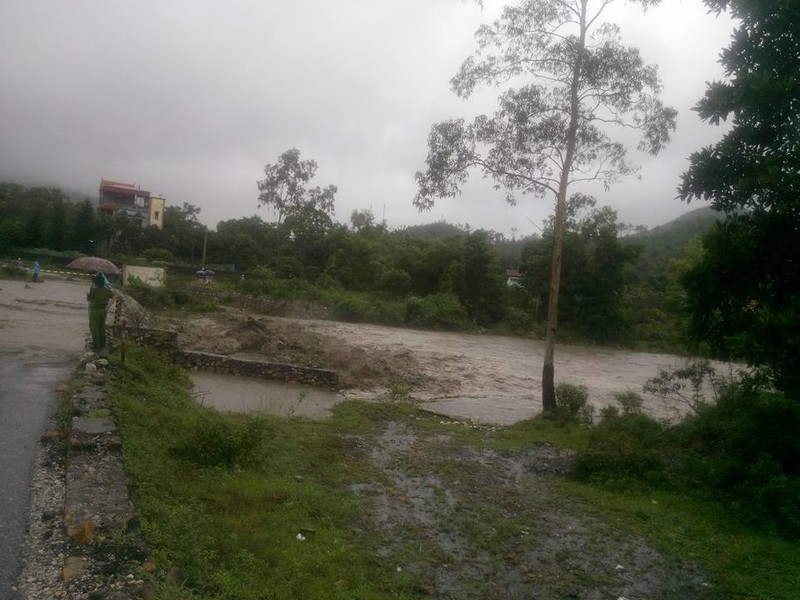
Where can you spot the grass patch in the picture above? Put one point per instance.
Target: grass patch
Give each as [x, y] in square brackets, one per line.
[259, 507]
[224, 497]
[740, 562]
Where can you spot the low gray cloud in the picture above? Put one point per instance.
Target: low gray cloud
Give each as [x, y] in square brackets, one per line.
[192, 98]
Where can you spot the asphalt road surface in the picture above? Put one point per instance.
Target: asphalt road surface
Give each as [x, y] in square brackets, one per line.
[43, 329]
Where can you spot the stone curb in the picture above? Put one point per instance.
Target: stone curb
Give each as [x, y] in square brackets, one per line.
[98, 512]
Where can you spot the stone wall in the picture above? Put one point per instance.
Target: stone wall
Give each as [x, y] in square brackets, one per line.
[165, 340]
[218, 363]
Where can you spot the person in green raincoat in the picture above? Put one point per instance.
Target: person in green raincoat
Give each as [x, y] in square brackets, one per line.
[99, 296]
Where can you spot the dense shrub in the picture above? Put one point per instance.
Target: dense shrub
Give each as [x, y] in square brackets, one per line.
[350, 307]
[437, 311]
[158, 254]
[221, 443]
[746, 448]
[572, 404]
[395, 281]
[625, 448]
[743, 450]
[519, 321]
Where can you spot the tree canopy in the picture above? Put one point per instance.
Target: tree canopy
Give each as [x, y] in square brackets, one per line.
[284, 188]
[745, 294]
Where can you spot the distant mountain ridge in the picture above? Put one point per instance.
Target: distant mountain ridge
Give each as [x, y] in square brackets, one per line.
[674, 235]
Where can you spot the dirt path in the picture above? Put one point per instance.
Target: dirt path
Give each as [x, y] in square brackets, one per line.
[485, 378]
[475, 523]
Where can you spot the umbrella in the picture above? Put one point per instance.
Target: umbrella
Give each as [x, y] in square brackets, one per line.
[94, 264]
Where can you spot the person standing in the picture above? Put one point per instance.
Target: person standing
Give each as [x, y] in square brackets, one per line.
[100, 294]
[37, 270]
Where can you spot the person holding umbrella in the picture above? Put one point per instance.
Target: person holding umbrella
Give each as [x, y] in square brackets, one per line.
[100, 294]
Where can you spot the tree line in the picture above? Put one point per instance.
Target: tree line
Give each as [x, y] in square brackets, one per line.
[458, 274]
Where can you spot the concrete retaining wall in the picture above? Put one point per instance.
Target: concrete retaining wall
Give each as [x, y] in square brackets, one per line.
[219, 363]
[167, 341]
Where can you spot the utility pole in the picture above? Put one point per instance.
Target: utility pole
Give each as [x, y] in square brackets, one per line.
[205, 243]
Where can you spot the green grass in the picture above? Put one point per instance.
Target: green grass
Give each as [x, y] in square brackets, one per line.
[741, 563]
[223, 498]
[233, 529]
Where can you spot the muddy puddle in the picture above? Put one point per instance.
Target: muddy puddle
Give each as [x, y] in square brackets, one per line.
[228, 393]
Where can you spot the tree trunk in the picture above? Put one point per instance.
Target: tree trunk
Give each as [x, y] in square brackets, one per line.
[548, 369]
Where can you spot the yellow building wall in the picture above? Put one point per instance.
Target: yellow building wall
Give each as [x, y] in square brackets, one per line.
[156, 213]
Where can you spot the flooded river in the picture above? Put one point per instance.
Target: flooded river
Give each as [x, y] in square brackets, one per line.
[229, 393]
[485, 378]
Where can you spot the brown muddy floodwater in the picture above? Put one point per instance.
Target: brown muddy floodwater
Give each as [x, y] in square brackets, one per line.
[484, 378]
[229, 393]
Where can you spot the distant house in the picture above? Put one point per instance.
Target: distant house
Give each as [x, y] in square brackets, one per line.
[117, 198]
[512, 278]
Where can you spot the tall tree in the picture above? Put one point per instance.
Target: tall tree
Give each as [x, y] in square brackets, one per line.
[83, 231]
[577, 83]
[186, 234]
[284, 187]
[745, 292]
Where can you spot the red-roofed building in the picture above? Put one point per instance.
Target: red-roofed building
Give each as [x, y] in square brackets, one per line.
[117, 198]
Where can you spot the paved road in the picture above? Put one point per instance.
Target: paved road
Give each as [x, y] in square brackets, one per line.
[42, 333]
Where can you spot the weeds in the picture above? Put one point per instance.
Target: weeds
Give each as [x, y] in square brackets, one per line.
[689, 385]
[226, 443]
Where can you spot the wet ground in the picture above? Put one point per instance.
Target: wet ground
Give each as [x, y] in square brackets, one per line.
[42, 332]
[493, 526]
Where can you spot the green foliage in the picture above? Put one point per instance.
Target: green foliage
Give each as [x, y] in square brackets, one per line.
[593, 272]
[743, 450]
[394, 281]
[572, 404]
[158, 254]
[630, 403]
[357, 308]
[482, 289]
[689, 384]
[437, 311]
[624, 450]
[227, 443]
[284, 190]
[367, 273]
[746, 448]
[744, 294]
[519, 321]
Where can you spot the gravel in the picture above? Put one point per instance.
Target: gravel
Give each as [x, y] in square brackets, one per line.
[56, 566]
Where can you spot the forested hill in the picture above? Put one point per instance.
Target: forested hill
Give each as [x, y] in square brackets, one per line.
[440, 229]
[671, 237]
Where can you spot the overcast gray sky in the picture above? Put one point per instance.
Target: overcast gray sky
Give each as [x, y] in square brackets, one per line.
[191, 98]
